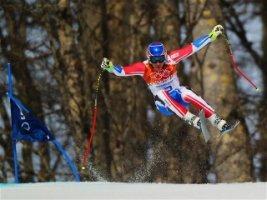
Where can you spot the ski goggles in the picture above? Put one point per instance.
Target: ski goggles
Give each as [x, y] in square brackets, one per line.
[157, 59]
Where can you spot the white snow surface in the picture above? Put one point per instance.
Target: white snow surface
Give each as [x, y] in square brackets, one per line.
[114, 190]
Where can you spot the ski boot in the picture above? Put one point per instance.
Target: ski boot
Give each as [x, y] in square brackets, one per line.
[198, 122]
[192, 120]
[227, 127]
[221, 124]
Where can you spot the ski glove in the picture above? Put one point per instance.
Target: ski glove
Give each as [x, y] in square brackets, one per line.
[107, 65]
[216, 31]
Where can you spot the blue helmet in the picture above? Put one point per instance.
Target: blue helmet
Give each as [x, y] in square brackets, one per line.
[156, 49]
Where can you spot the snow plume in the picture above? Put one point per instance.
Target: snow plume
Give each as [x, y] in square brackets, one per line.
[153, 159]
[96, 173]
[141, 174]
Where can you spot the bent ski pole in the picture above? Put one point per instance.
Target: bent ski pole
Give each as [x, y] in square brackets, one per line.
[92, 129]
[236, 67]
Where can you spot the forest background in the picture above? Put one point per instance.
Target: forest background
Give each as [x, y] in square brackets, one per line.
[56, 47]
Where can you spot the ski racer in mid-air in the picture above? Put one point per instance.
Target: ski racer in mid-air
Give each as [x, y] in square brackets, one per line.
[160, 74]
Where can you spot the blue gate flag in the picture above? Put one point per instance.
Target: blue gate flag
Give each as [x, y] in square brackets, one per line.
[27, 127]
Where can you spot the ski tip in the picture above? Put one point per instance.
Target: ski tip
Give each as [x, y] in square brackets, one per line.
[237, 122]
[233, 126]
[258, 89]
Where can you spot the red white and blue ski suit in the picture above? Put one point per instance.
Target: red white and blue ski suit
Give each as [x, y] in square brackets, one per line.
[170, 96]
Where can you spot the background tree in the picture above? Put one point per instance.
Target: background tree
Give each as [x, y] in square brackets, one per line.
[230, 153]
[56, 48]
[262, 106]
[16, 40]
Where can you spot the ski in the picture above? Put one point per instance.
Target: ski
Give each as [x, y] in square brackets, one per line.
[203, 125]
[230, 128]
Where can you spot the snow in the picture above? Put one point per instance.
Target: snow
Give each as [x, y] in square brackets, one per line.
[114, 190]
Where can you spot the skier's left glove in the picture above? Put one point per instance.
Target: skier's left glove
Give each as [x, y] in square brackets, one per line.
[107, 65]
[216, 31]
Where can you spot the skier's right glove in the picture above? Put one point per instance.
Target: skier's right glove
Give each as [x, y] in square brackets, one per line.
[107, 65]
[216, 31]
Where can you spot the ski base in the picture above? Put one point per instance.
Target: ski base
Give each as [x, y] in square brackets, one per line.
[204, 128]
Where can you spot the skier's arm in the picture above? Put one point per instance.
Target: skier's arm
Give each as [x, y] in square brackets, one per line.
[180, 54]
[134, 69]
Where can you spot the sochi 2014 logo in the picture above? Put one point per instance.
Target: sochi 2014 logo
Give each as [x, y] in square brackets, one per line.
[24, 125]
[160, 75]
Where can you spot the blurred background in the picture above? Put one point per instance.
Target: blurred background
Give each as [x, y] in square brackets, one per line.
[56, 47]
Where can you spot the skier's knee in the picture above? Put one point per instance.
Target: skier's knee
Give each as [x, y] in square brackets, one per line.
[162, 108]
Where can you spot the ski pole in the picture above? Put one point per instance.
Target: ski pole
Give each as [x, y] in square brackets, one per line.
[235, 65]
[92, 129]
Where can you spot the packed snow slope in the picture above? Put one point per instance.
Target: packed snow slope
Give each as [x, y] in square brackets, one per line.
[109, 190]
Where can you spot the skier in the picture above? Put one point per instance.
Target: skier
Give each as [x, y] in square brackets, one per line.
[160, 74]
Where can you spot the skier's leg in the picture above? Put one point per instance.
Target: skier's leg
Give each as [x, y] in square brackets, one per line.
[195, 100]
[178, 109]
[190, 97]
